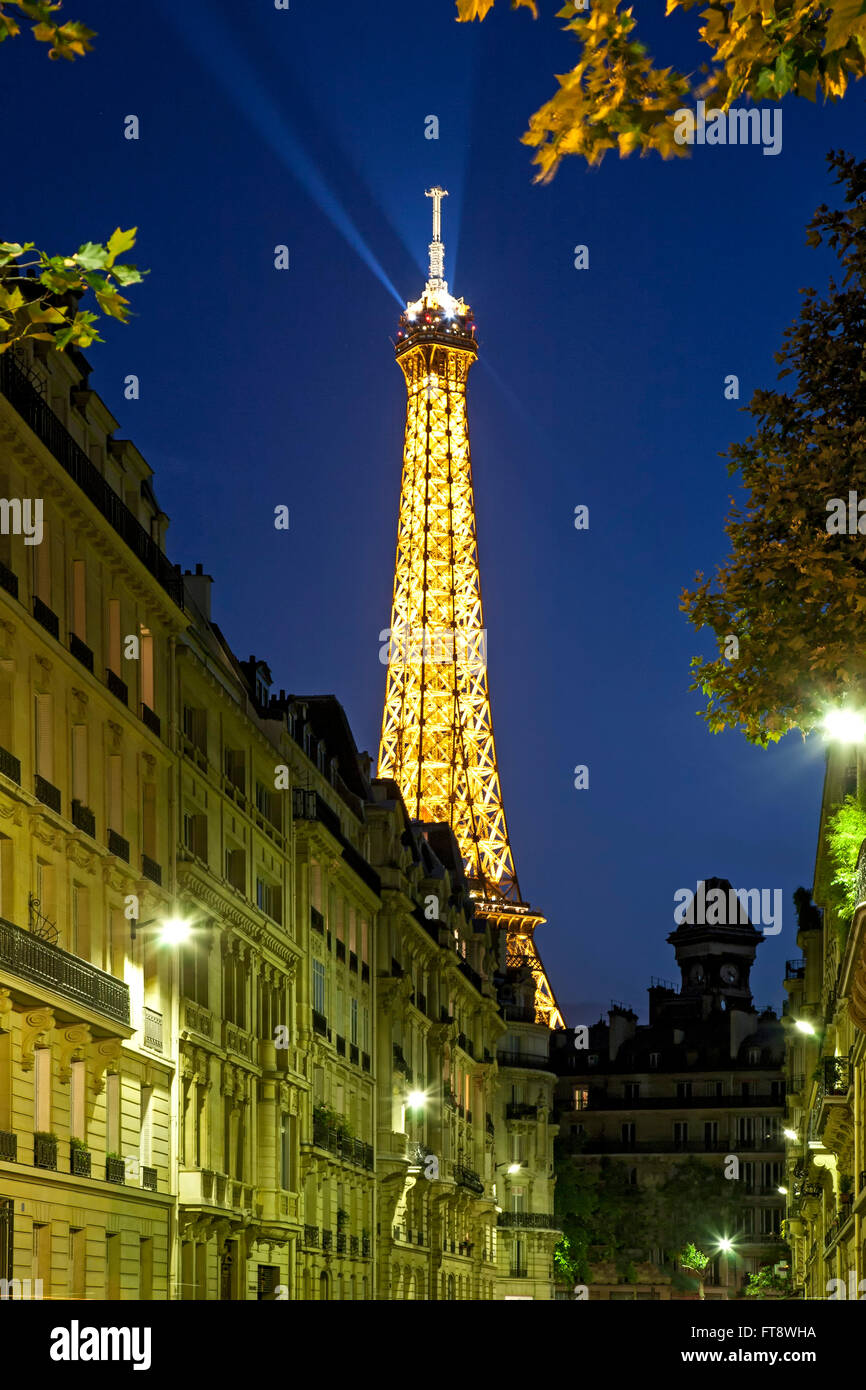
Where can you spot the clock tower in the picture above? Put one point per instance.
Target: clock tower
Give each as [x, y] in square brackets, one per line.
[715, 947]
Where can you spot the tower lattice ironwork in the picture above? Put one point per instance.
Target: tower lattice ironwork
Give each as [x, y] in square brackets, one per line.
[437, 730]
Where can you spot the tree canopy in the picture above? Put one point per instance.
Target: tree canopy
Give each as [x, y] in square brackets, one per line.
[793, 589]
[40, 296]
[617, 98]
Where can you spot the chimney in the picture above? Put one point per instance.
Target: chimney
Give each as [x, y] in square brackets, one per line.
[623, 1022]
[198, 587]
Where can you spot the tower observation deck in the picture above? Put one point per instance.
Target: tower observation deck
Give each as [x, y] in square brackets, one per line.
[437, 729]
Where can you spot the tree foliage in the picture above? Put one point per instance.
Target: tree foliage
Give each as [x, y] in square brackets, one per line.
[45, 304]
[40, 296]
[845, 832]
[793, 590]
[70, 40]
[616, 97]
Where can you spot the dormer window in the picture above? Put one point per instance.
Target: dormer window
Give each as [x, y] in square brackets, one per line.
[754, 1056]
[655, 1059]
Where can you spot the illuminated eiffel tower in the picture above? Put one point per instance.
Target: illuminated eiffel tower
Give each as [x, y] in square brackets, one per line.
[437, 729]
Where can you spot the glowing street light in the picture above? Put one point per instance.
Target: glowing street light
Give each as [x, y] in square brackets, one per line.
[173, 931]
[790, 1134]
[416, 1100]
[513, 1168]
[804, 1026]
[844, 726]
[726, 1245]
[783, 1191]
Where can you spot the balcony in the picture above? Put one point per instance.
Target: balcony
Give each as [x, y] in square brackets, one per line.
[117, 687]
[28, 957]
[8, 1146]
[48, 795]
[45, 618]
[309, 805]
[467, 1177]
[521, 1112]
[10, 766]
[79, 1161]
[342, 1240]
[531, 1220]
[523, 1059]
[311, 1237]
[327, 1240]
[45, 1151]
[149, 1179]
[340, 949]
[115, 1170]
[317, 921]
[84, 819]
[342, 1146]
[320, 1023]
[353, 962]
[118, 846]
[517, 1013]
[831, 1117]
[81, 652]
[151, 869]
[353, 1054]
[365, 1247]
[340, 1045]
[365, 1061]
[150, 720]
[59, 442]
[8, 581]
[152, 1029]
[365, 973]
[518, 1272]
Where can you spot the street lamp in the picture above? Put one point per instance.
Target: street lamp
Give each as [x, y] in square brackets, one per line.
[416, 1100]
[790, 1134]
[173, 930]
[804, 1026]
[844, 726]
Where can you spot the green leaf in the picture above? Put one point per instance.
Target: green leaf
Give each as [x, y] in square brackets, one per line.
[119, 242]
[92, 256]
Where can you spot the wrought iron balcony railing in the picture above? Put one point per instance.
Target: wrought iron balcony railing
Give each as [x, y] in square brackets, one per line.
[467, 1177]
[81, 651]
[523, 1059]
[150, 720]
[30, 958]
[46, 793]
[8, 581]
[152, 1022]
[115, 1170]
[8, 1146]
[537, 1220]
[45, 617]
[10, 766]
[84, 819]
[44, 1151]
[79, 1162]
[118, 687]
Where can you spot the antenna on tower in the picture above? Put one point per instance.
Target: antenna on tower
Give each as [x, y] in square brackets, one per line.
[437, 250]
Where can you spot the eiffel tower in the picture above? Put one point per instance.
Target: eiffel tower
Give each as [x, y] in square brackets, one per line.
[437, 729]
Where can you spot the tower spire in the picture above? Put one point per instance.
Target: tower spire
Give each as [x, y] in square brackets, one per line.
[437, 250]
[437, 728]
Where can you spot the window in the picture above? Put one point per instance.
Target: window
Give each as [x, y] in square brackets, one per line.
[80, 943]
[42, 1256]
[194, 971]
[632, 1090]
[353, 1022]
[195, 727]
[80, 778]
[628, 1134]
[654, 1059]
[236, 869]
[754, 1056]
[592, 1059]
[77, 1262]
[518, 1199]
[581, 1099]
[78, 1100]
[114, 635]
[115, 793]
[112, 1113]
[145, 1124]
[286, 1153]
[44, 725]
[684, 1090]
[112, 1265]
[233, 766]
[148, 820]
[681, 1134]
[79, 599]
[711, 1134]
[269, 899]
[318, 986]
[195, 833]
[146, 663]
[42, 1091]
[145, 1268]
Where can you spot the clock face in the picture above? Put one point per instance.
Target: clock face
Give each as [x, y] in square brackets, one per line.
[730, 974]
[696, 975]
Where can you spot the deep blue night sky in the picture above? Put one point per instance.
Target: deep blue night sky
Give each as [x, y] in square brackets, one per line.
[603, 387]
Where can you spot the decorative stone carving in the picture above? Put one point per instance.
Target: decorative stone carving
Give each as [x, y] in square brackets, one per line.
[73, 1044]
[104, 1057]
[36, 1025]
